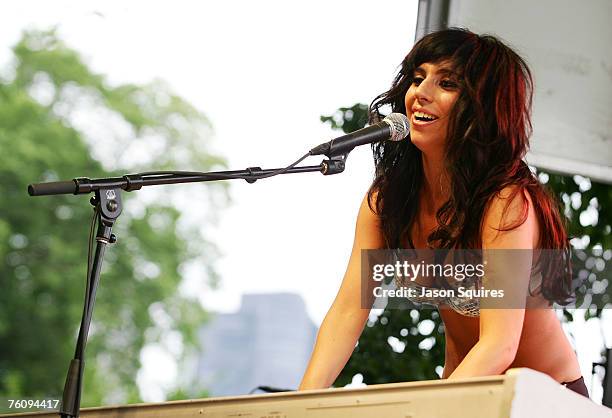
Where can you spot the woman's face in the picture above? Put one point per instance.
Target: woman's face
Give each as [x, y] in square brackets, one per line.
[429, 100]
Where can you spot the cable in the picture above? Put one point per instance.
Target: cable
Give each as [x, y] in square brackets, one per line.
[92, 227]
[270, 389]
[283, 170]
[226, 176]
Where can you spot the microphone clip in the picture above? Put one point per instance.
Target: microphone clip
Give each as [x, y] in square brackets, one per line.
[334, 165]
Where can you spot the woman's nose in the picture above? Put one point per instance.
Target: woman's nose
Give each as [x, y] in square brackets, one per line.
[423, 91]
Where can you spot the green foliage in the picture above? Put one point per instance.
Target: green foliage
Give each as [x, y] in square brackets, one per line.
[374, 356]
[43, 240]
[417, 354]
[349, 119]
[181, 394]
[585, 205]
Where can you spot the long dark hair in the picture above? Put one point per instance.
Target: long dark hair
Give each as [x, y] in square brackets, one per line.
[488, 136]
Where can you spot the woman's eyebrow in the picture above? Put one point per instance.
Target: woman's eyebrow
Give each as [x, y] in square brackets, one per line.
[440, 71]
[446, 71]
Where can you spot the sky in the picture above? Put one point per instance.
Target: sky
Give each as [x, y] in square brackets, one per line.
[263, 73]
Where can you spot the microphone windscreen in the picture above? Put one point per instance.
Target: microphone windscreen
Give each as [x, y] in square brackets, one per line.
[399, 126]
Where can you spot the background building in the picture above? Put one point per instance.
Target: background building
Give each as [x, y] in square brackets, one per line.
[267, 342]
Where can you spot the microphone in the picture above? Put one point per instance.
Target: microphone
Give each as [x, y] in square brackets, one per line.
[394, 127]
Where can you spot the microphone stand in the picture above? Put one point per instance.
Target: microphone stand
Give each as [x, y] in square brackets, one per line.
[108, 206]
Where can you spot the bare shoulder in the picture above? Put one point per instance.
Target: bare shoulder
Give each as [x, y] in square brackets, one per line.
[509, 219]
[368, 232]
[367, 209]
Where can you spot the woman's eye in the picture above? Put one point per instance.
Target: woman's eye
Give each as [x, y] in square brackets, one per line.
[448, 84]
[417, 80]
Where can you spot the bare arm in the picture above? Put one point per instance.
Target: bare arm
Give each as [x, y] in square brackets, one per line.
[346, 318]
[500, 328]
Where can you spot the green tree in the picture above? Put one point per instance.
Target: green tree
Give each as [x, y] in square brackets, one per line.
[60, 120]
[408, 344]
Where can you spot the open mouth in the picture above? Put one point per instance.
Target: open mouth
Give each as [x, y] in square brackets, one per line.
[424, 117]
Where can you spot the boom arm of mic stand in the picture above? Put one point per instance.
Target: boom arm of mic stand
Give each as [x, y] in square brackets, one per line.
[131, 182]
